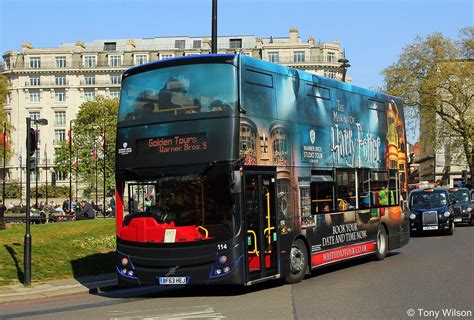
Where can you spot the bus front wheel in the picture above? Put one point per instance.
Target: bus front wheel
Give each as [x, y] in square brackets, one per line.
[298, 262]
[382, 243]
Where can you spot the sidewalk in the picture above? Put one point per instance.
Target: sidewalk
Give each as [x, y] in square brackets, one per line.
[18, 292]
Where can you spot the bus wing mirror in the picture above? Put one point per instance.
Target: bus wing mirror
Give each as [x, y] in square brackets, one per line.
[236, 185]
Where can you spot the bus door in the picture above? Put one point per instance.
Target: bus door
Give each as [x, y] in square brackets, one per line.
[262, 233]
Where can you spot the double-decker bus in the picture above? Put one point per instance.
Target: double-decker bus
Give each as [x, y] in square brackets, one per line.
[234, 170]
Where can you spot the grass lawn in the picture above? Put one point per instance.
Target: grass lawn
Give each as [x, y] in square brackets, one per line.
[59, 250]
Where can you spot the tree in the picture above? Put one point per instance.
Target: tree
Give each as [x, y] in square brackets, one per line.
[435, 76]
[3, 115]
[87, 128]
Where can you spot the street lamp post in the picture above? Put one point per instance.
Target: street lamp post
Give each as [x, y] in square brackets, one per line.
[344, 65]
[31, 145]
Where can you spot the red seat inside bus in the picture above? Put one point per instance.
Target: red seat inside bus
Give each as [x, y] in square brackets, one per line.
[147, 229]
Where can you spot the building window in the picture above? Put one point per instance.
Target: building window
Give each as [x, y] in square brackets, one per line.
[34, 115]
[89, 95]
[179, 44]
[35, 62]
[60, 80]
[115, 79]
[60, 118]
[141, 59]
[34, 97]
[167, 56]
[235, 43]
[90, 61]
[331, 57]
[59, 135]
[298, 56]
[34, 81]
[89, 80]
[197, 44]
[114, 94]
[60, 175]
[273, 57]
[60, 62]
[115, 61]
[280, 146]
[248, 144]
[331, 74]
[60, 96]
[305, 204]
[110, 46]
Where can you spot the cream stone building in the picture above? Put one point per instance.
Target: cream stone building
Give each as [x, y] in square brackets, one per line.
[52, 83]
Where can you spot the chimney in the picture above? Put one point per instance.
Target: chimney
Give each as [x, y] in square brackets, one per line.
[293, 35]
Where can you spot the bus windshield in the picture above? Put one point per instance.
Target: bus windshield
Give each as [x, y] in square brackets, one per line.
[428, 200]
[180, 92]
[201, 201]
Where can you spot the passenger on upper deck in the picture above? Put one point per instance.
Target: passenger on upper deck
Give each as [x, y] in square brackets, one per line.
[164, 101]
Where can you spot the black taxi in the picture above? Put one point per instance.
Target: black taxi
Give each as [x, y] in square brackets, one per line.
[462, 206]
[430, 211]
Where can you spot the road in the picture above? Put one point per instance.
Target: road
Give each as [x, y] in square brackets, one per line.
[428, 275]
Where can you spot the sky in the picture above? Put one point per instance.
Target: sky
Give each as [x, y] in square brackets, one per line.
[372, 32]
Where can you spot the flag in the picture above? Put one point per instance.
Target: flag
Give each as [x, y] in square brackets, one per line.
[69, 137]
[103, 137]
[74, 164]
[94, 153]
[4, 138]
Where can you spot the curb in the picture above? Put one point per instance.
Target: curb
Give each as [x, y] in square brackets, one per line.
[42, 291]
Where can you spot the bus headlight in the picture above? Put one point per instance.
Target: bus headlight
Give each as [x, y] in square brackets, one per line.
[124, 261]
[468, 209]
[226, 269]
[412, 216]
[130, 273]
[222, 259]
[447, 214]
[218, 271]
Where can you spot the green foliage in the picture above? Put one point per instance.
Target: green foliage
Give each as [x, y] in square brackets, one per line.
[435, 75]
[53, 191]
[3, 116]
[87, 132]
[12, 190]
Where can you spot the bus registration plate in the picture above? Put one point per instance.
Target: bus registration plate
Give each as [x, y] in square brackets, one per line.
[430, 228]
[173, 280]
[457, 219]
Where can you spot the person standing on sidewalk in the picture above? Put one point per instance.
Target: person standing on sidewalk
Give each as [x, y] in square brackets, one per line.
[2, 213]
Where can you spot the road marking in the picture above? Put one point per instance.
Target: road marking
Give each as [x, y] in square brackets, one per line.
[191, 312]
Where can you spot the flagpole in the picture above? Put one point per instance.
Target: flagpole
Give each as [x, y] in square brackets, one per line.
[105, 148]
[70, 165]
[4, 140]
[36, 165]
[96, 177]
[77, 168]
[21, 177]
[46, 168]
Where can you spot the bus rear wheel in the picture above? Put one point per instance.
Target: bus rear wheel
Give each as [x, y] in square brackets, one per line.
[298, 262]
[382, 243]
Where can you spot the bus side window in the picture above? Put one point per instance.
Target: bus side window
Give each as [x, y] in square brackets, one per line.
[322, 197]
[345, 184]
